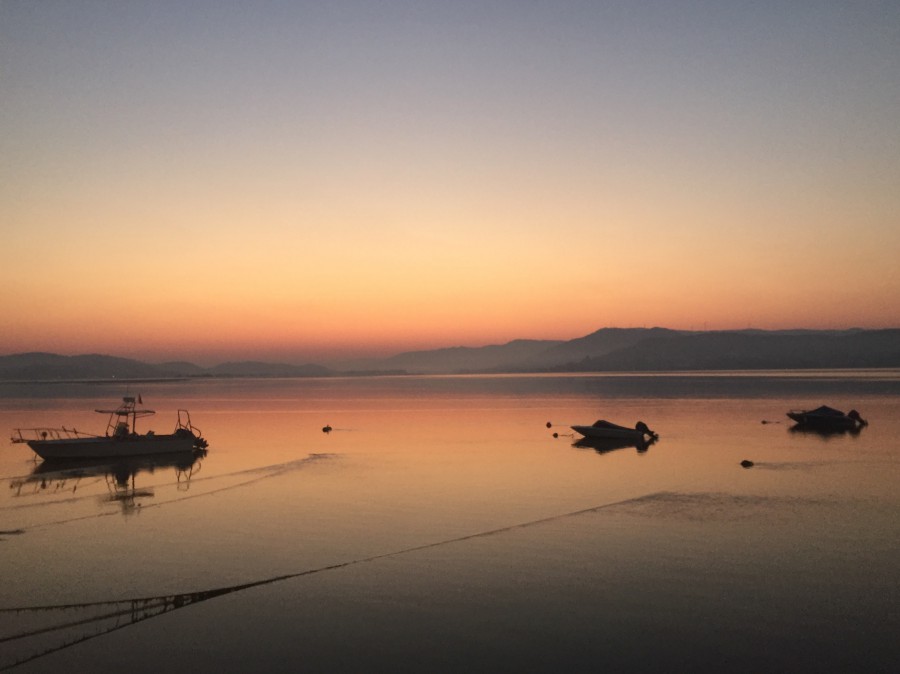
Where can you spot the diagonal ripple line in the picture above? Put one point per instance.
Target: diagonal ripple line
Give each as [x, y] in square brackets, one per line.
[145, 608]
[84, 621]
[340, 565]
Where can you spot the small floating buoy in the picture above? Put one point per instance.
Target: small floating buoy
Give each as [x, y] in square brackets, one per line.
[326, 429]
[747, 463]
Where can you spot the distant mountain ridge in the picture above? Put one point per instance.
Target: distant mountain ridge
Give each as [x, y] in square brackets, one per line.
[650, 349]
[470, 359]
[607, 349]
[600, 343]
[39, 366]
[52, 367]
[753, 349]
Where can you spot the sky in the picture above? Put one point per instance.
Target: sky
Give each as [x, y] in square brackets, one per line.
[303, 181]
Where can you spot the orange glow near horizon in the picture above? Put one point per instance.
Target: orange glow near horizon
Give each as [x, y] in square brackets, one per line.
[293, 198]
[256, 290]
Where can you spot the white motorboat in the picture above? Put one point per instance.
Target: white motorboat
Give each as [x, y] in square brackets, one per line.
[120, 439]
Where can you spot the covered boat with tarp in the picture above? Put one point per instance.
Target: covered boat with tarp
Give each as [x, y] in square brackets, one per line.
[825, 417]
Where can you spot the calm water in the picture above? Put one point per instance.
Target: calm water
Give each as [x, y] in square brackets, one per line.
[442, 527]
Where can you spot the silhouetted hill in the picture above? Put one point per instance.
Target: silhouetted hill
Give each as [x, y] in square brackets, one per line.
[609, 349]
[469, 359]
[748, 350]
[599, 343]
[53, 367]
[49, 366]
[619, 349]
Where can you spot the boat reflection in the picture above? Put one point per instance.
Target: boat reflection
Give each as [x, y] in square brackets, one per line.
[605, 445]
[120, 475]
[824, 431]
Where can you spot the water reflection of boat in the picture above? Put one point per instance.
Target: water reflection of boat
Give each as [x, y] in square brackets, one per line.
[120, 474]
[604, 445]
[605, 430]
[824, 431]
[120, 439]
[828, 419]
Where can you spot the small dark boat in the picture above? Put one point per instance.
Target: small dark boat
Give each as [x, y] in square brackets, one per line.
[828, 418]
[605, 430]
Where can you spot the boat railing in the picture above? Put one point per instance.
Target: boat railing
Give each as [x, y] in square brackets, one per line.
[46, 433]
[184, 422]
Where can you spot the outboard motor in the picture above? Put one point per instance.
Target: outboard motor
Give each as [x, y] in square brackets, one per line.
[853, 414]
[643, 428]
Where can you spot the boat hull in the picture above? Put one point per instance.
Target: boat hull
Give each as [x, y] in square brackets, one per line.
[112, 447]
[827, 418]
[605, 433]
[820, 422]
[605, 445]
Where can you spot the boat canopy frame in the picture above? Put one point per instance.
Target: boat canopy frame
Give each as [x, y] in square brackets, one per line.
[123, 419]
[121, 423]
